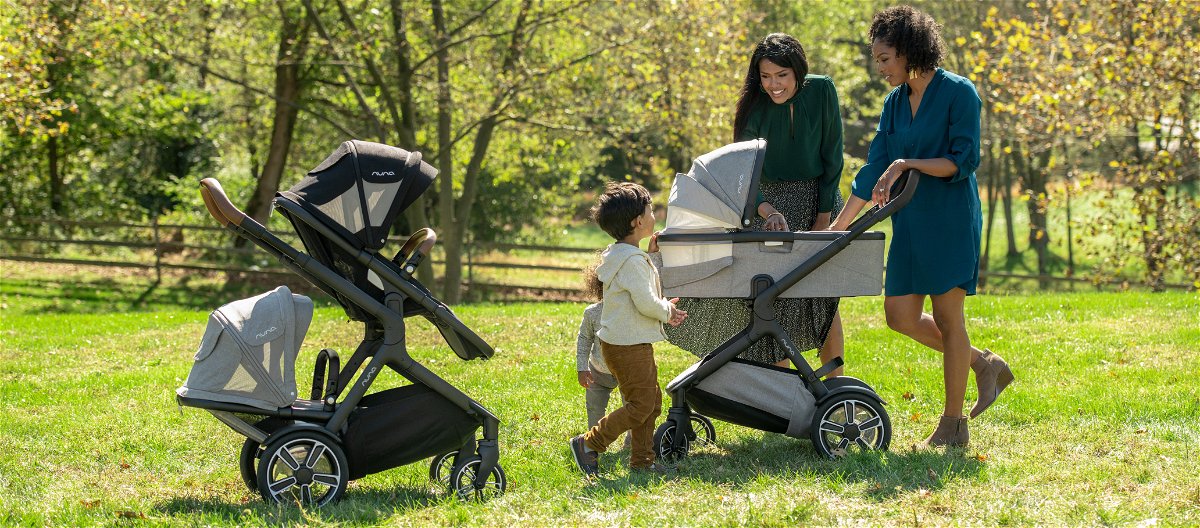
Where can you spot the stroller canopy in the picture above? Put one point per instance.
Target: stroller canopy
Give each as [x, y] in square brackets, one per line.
[248, 352]
[361, 188]
[720, 189]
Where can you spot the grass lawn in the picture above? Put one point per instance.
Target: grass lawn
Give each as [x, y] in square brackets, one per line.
[1100, 427]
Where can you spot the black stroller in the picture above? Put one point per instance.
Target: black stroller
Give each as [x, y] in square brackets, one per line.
[705, 253]
[307, 450]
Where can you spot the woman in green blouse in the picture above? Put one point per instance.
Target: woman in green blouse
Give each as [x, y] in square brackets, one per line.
[798, 115]
[930, 122]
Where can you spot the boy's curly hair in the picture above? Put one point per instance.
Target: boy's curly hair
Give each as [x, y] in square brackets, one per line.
[915, 35]
[620, 204]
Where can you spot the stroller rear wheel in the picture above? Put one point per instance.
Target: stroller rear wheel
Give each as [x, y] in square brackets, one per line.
[441, 468]
[664, 443]
[850, 421]
[247, 463]
[462, 481]
[703, 432]
[303, 467]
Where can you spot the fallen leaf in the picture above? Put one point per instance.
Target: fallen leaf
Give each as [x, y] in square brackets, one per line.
[1141, 430]
[124, 465]
[908, 395]
[981, 457]
[90, 503]
[126, 514]
[915, 417]
[535, 417]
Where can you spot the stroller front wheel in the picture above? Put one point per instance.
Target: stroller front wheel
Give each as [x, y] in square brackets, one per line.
[462, 481]
[441, 467]
[665, 443]
[303, 467]
[848, 422]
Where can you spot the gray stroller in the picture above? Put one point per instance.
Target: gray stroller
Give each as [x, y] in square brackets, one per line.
[307, 450]
[706, 253]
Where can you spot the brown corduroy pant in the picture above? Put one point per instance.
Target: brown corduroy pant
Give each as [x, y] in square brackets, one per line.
[637, 379]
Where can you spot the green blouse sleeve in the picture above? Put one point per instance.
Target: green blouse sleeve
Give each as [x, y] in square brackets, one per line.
[831, 150]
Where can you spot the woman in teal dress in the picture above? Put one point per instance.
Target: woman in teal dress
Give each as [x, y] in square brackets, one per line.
[930, 123]
[798, 115]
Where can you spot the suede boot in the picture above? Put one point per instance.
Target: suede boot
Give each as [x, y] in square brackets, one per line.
[992, 375]
[951, 431]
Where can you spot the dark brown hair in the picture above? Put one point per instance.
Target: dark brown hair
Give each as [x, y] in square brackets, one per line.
[620, 204]
[783, 50]
[915, 35]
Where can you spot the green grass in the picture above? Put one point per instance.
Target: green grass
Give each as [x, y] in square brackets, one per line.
[1100, 427]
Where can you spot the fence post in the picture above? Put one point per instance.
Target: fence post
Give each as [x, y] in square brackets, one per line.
[157, 250]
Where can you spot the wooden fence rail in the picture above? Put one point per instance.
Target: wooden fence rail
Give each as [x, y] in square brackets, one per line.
[49, 249]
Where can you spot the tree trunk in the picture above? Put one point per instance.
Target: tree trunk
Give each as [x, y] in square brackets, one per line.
[990, 195]
[1039, 236]
[1006, 199]
[445, 106]
[459, 224]
[406, 130]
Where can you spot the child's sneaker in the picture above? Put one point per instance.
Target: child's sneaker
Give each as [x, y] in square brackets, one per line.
[587, 461]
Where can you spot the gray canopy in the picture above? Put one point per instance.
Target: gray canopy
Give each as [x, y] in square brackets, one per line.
[720, 189]
[248, 352]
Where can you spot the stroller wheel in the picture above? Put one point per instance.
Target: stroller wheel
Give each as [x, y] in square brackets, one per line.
[247, 463]
[440, 469]
[462, 482]
[303, 467]
[703, 432]
[848, 422]
[664, 443]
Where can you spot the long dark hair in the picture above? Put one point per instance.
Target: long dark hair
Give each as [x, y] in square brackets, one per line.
[783, 50]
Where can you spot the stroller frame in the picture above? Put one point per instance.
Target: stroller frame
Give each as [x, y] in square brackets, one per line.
[383, 345]
[674, 435]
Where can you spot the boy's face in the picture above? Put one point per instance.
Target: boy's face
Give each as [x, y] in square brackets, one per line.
[643, 226]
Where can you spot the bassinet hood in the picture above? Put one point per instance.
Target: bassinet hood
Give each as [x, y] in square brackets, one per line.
[361, 188]
[720, 189]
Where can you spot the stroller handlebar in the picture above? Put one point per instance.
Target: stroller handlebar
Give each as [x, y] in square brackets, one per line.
[908, 182]
[423, 241]
[218, 203]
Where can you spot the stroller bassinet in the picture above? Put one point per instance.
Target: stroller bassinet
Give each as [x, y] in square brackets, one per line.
[704, 253]
[307, 450]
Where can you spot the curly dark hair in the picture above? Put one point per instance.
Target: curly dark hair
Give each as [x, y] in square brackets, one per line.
[916, 36]
[783, 50]
[592, 287]
[620, 204]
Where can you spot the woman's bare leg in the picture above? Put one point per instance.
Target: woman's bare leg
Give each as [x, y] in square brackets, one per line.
[956, 347]
[835, 344]
[905, 314]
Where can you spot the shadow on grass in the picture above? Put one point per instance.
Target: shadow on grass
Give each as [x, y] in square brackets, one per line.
[881, 475]
[356, 507]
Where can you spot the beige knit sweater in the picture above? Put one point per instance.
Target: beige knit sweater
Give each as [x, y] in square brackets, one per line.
[634, 307]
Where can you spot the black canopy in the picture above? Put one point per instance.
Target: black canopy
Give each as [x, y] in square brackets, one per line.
[361, 188]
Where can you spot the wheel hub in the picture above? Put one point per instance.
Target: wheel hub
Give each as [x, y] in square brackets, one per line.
[851, 432]
[304, 475]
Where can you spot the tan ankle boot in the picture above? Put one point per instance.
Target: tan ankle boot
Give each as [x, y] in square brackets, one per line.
[951, 431]
[992, 375]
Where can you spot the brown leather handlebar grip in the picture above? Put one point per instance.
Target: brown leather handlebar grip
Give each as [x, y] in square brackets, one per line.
[218, 203]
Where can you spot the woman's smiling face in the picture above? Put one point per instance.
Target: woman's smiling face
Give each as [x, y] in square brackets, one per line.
[893, 67]
[779, 82]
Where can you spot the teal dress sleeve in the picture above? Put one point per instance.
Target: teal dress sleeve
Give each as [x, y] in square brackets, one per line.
[964, 133]
[877, 156]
